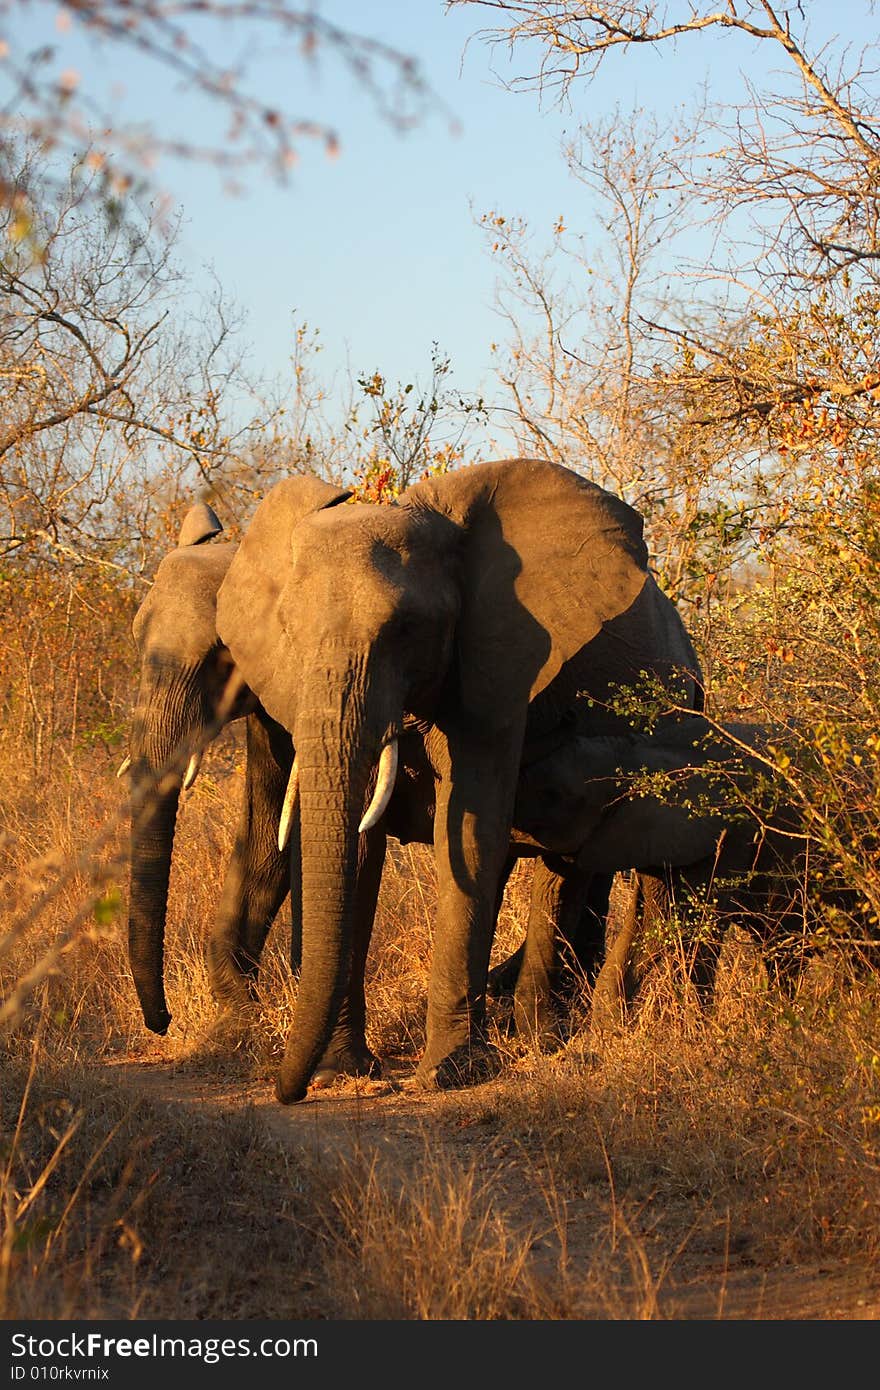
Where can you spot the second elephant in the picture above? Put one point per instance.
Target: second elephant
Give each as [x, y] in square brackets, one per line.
[691, 808]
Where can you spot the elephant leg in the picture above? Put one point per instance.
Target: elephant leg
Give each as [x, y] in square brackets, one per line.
[784, 961]
[654, 907]
[347, 1053]
[610, 991]
[582, 954]
[256, 882]
[629, 954]
[472, 822]
[785, 969]
[557, 903]
[701, 954]
[745, 906]
[502, 978]
[581, 936]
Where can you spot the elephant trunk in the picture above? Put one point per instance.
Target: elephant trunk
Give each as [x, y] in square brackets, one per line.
[163, 724]
[152, 840]
[333, 776]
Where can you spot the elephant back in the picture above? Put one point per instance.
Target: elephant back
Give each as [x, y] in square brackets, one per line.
[549, 559]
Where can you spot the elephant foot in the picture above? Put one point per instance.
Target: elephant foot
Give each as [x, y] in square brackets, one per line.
[608, 1013]
[339, 1063]
[236, 1039]
[236, 1018]
[467, 1065]
[502, 978]
[611, 990]
[542, 1032]
[287, 1093]
[535, 1018]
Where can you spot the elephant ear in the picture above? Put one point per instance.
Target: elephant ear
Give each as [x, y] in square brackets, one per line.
[548, 559]
[177, 621]
[200, 524]
[176, 625]
[248, 613]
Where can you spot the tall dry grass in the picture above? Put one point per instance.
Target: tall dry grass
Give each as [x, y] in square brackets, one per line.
[582, 1184]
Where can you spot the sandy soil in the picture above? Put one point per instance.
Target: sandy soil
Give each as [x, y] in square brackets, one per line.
[709, 1275]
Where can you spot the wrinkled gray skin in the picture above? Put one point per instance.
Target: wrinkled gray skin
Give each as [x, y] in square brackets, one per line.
[497, 605]
[184, 673]
[694, 833]
[564, 946]
[183, 676]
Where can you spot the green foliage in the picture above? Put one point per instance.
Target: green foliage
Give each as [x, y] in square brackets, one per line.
[108, 906]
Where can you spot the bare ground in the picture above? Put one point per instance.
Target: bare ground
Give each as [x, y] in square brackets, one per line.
[661, 1260]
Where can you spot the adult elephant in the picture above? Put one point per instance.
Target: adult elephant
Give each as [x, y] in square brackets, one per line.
[497, 605]
[186, 678]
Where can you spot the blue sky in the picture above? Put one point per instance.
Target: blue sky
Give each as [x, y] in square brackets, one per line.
[378, 248]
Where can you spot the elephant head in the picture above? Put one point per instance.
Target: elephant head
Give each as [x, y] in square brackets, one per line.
[484, 605]
[184, 672]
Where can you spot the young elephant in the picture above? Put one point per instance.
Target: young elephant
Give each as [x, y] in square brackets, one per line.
[694, 807]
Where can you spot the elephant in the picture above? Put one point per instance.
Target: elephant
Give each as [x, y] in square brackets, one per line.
[185, 674]
[713, 817]
[490, 607]
[181, 704]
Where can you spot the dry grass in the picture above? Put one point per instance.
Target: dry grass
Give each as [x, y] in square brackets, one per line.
[434, 1247]
[576, 1187]
[117, 1207]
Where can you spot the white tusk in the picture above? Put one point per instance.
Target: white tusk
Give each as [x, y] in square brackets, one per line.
[192, 771]
[124, 766]
[287, 809]
[384, 787]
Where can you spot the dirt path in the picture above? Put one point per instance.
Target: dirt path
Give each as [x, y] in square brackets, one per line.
[709, 1276]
